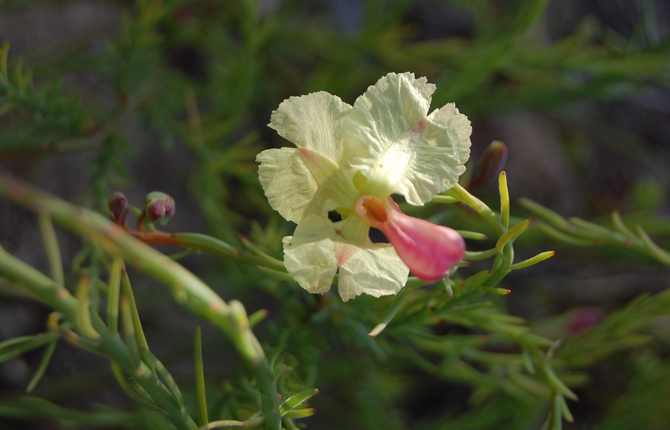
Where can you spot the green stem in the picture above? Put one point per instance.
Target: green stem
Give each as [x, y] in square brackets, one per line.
[48, 291]
[211, 245]
[142, 374]
[113, 240]
[504, 267]
[62, 301]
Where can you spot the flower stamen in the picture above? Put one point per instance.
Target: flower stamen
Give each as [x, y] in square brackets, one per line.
[371, 209]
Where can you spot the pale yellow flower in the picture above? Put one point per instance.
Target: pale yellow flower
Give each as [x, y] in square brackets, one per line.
[351, 159]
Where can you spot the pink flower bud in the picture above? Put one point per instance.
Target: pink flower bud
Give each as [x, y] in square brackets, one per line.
[158, 207]
[118, 207]
[428, 250]
[490, 164]
[583, 318]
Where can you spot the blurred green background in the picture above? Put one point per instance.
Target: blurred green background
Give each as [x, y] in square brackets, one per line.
[175, 96]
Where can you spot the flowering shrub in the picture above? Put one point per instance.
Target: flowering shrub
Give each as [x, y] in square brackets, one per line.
[454, 322]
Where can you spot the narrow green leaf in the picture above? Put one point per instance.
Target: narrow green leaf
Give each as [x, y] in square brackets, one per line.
[619, 224]
[528, 13]
[558, 384]
[282, 276]
[129, 331]
[18, 345]
[556, 415]
[476, 280]
[390, 313]
[504, 199]
[258, 253]
[546, 424]
[468, 308]
[138, 330]
[4, 53]
[464, 196]
[527, 362]
[167, 377]
[511, 234]
[480, 255]
[497, 291]
[300, 413]
[544, 213]
[533, 260]
[595, 228]
[224, 423]
[257, 317]
[200, 394]
[472, 235]
[565, 411]
[125, 385]
[561, 236]
[44, 362]
[198, 241]
[447, 287]
[660, 254]
[83, 308]
[113, 292]
[51, 247]
[32, 408]
[13, 342]
[181, 254]
[296, 399]
[443, 199]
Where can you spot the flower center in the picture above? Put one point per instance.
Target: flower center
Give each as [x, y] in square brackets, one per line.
[371, 209]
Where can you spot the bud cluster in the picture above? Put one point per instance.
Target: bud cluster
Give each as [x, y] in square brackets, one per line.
[157, 209]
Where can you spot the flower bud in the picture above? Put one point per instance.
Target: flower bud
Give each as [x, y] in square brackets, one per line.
[118, 207]
[490, 164]
[158, 207]
[583, 318]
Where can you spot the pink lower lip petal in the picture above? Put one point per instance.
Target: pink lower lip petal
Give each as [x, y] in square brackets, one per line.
[429, 250]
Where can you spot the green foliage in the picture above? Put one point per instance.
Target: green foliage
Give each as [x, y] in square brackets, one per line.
[202, 77]
[42, 119]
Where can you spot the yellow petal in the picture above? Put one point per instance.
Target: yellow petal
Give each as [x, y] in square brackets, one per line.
[309, 255]
[312, 122]
[377, 271]
[440, 158]
[289, 185]
[391, 142]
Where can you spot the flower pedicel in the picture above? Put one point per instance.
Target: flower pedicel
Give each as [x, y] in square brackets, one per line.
[350, 160]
